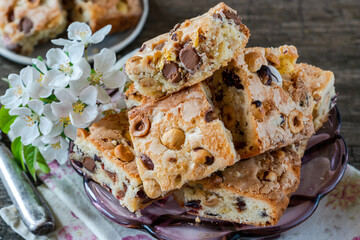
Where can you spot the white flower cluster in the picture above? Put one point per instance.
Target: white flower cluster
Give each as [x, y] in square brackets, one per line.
[53, 98]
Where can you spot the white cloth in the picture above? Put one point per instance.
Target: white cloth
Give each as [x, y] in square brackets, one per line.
[337, 217]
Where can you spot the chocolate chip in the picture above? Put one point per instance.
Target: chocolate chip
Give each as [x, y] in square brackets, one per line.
[25, 25]
[209, 160]
[104, 139]
[282, 119]
[174, 37]
[77, 163]
[111, 175]
[11, 16]
[172, 160]
[148, 163]
[193, 204]
[257, 103]
[210, 116]
[89, 163]
[219, 95]
[189, 57]
[241, 205]
[217, 16]
[241, 133]
[174, 28]
[96, 158]
[233, 16]
[142, 48]
[212, 214]
[159, 46]
[171, 72]
[231, 79]
[141, 194]
[264, 74]
[240, 145]
[264, 214]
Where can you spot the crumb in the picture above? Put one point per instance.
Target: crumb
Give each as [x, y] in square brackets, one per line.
[197, 219]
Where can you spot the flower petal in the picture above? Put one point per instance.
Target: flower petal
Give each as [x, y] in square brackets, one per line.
[20, 111]
[88, 95]
[37, 106]
[104, 60]
[79, 31]
[76, 52]
[102, 95]
[65, 95]
[61, 109]
[29, 134]
[55, 56]
[10, 100]
[40, 65]
[45, 125]
[100, 34]
[114, 79]
[70, 132]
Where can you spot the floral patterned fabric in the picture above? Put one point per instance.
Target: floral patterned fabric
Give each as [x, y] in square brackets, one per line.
[337, 217]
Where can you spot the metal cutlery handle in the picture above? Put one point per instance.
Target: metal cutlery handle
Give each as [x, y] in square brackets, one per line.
[31, 206]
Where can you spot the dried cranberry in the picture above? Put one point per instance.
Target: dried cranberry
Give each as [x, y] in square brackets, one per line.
[209, 160]
[96, 158]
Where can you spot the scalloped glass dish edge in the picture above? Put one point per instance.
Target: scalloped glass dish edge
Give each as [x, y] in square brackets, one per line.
[302, 205]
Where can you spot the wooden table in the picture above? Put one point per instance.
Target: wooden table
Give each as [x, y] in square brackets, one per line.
[326, 33]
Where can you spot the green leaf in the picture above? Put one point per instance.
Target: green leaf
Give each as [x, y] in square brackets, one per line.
[29, 155]
[6, 119]
[40, 58]
[17, 148]
[42, 163]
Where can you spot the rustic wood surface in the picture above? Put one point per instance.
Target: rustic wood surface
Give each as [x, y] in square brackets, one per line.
[326, 33]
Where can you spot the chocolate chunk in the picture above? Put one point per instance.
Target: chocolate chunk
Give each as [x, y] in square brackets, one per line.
[217, 16]
[11, 15]
[264, 74]
[89, 163]
[25, 25]
[189, 57]
[96, 158]
[172, 160]
[264, 214]
[241, 205]
[282, 119]
[171, 72]
[210, 116]
[141, 194]
[111, 175]
[240, 145]
[159, 46]
[193, 204]
[148, 163]
[219, 95]
[174, 28]
[231, 79]
[233, 16]
[77, 163]
[209, 160]
[142, 48]
[257, 103]
[174, 37]
[212, 214]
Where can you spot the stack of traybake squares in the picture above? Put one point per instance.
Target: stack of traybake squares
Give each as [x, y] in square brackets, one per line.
[221, 125]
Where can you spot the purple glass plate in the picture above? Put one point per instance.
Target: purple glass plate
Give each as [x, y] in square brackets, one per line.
[323, 165]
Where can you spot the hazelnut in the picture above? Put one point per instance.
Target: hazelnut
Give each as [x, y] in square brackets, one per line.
[82, 133]
[229, 118]
[123, 153]
[114, 142]
[173, 139]
[211, 201]
[254, 60]
[152, 188]
[296, 123]
[273, 59]
[127, 136]
[268, 176]
[258, 111]
[279, 154]
[202, 156]
[140, 126]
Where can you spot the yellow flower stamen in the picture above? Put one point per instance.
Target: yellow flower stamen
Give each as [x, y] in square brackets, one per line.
[40, 79]
[96, 78]
[66, 68]
[82, 34]
[78, 107]
[30, 120]
[18, 91]
[56, 146]
[65, 121]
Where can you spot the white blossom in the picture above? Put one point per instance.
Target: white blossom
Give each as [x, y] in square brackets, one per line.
[17, 94]
[39, 84]
[81, 110]
[65, 65]
[30, 122]
[81, 33]
[55, 148]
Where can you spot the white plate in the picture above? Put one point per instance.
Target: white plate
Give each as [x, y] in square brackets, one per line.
[116, 42]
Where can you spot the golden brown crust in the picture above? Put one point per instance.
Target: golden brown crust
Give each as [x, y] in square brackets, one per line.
[121, 14]
[190, 112]
[189, 53]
